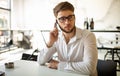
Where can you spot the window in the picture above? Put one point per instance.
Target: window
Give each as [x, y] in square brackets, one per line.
[4, 14]
[5, 11]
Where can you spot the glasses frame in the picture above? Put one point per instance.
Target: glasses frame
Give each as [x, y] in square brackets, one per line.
[69, 18]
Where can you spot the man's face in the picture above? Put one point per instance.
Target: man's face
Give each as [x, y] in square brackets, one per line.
[66, 21]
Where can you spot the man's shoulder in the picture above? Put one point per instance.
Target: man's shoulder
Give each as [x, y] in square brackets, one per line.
[83, 30]
[80, 29]
[86, 33]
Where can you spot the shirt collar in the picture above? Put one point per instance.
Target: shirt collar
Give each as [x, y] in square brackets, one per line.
[78, 34]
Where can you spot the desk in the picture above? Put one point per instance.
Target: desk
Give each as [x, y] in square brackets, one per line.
[32, 68]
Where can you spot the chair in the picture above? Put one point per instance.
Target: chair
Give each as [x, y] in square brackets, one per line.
[106, 68]
[30, 57]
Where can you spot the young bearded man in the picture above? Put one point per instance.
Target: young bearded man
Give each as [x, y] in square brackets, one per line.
[76, 48]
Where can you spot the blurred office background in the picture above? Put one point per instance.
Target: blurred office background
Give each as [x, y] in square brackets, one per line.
[25, 24]
[37, 15]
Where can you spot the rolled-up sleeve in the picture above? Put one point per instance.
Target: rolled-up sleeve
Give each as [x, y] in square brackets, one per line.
[45, 55]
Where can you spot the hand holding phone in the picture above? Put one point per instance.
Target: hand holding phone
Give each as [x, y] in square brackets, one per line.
[55, 30]
[53, 35]
[55, 24]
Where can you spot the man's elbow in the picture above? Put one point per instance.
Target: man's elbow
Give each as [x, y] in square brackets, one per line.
[41, 61]
[91, 69]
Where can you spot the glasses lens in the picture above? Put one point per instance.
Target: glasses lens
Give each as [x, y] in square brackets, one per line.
[63, 19]
[70, 17]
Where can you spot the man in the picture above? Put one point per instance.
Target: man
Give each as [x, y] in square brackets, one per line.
[76, 48]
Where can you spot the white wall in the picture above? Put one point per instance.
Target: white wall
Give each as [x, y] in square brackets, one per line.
[38, 15]
[17, 16]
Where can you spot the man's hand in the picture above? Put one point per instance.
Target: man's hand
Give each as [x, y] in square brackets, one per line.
[53, 37]
[53, 64]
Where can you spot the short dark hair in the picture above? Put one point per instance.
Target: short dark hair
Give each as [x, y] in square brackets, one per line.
[63, 6]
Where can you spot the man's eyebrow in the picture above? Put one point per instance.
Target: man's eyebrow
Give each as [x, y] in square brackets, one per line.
[67, 16]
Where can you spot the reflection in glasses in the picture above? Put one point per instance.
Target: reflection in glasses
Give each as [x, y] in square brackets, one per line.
[63, 19]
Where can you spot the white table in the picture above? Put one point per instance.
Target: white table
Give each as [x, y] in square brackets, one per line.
[32, 68]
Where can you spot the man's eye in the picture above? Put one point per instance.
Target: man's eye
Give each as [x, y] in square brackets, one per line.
[63, 18]
[69, 17]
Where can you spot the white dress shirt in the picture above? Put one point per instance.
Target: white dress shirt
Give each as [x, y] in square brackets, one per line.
[80, 55]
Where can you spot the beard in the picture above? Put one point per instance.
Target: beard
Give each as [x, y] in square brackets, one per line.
[67, 31]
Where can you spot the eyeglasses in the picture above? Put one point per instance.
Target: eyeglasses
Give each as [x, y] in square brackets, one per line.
[63, 19]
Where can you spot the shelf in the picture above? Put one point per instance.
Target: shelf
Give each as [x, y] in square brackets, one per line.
[4, 28]
[105, 30]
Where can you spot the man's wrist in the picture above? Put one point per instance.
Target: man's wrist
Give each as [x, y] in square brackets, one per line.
[50, 60]
[49, 45]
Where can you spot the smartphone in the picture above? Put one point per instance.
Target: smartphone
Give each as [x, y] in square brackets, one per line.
[55, 25]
